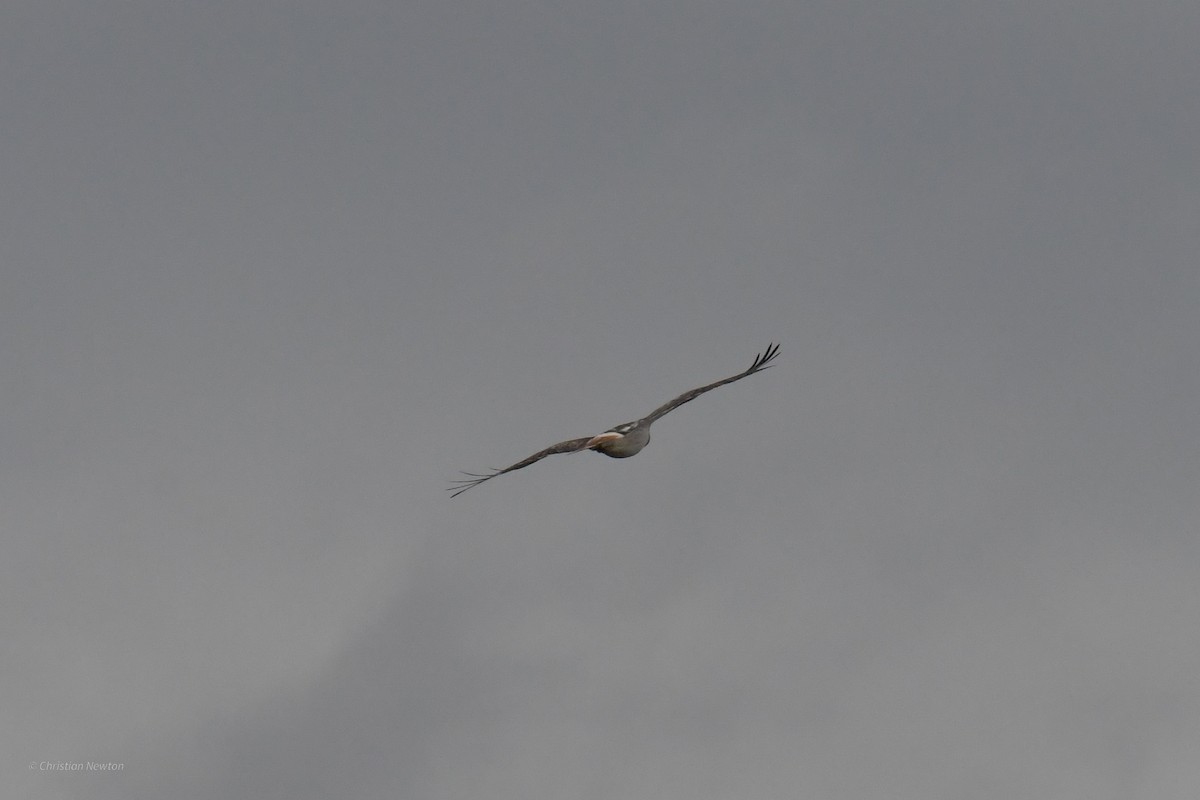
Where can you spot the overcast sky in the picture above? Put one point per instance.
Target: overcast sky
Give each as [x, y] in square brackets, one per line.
[274, 272]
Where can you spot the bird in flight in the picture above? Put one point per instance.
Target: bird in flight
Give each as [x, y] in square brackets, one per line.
[621, 441]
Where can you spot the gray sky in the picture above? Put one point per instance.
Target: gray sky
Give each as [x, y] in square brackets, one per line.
[274, 272]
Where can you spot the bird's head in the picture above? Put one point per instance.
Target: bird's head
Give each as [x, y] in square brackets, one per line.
[604, 438]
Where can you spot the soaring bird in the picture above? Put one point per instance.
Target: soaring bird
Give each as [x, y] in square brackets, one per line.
[621, 441]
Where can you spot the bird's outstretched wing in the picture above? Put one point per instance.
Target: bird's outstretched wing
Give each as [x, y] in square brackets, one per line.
[473, 479]
[761, 362]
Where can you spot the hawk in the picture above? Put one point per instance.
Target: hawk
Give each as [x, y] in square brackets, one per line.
[621, 441]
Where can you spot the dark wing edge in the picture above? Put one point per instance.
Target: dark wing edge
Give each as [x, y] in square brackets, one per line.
[761, 361]
[474, 479]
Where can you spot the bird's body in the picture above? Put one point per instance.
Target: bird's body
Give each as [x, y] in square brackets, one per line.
[621, 441]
